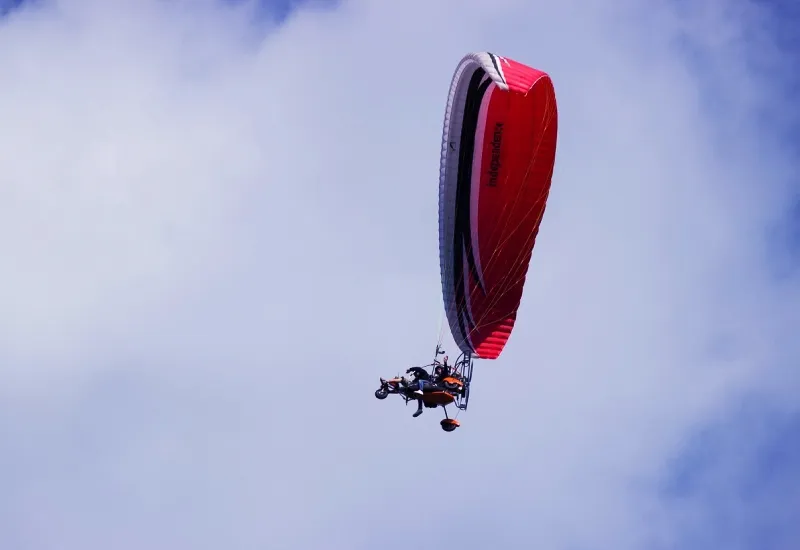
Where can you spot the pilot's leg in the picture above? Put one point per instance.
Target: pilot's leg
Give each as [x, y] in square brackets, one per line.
[419, 408]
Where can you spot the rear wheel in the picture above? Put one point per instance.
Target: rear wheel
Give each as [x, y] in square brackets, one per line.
[449, 424]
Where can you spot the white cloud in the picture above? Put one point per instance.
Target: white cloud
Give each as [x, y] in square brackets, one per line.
[214, 245]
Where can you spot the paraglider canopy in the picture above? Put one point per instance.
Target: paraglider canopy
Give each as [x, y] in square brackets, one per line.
[497, 158]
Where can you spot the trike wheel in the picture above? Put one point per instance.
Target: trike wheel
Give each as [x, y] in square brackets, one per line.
[449, 424]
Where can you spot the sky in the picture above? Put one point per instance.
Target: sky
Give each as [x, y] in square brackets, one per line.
[218, 230]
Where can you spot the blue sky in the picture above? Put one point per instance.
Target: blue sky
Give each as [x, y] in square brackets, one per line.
[744, 467]
[219, 229]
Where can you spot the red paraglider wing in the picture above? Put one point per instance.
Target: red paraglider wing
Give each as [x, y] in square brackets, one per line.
[498, 153]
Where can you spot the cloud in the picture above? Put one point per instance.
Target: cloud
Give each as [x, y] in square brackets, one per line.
[737, 484]
[219, 234]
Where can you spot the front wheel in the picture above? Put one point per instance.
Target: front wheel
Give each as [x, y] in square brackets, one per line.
[381, 393]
